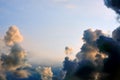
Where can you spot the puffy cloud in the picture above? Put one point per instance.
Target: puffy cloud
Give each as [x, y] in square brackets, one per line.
[89, 48]
[45, 72]
[88, 64]
[13, 64]
[13, 36]
[15, 59]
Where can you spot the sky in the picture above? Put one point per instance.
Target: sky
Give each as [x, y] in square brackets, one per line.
[48, 26]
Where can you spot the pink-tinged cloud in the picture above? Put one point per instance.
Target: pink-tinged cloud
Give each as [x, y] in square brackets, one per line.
[13, 36]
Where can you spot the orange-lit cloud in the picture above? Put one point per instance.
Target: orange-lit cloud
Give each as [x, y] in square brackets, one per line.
[13, 36]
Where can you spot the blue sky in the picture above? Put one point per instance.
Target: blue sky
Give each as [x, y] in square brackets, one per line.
[50, 25]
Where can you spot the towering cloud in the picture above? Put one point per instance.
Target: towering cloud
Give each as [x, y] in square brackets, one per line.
[13, 65]
[88, 62]
[99, 58]
[89, 48]
[13, 36]
[16, 56]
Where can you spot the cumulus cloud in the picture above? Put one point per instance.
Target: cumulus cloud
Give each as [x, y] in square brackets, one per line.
[99, 58]
[13, 65]
[69, 67]
[88, 62]
[15, 59]
[89, 48]
[112, 49]
[13, 36]
[45, 72]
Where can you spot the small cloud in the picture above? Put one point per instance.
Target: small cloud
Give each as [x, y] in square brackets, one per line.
[71, 6]
[68, 50]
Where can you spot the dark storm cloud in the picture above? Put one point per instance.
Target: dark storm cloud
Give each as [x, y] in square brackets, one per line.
[99, 58]
[85, 70]
[113, 4]
[112, 63]
[111, 47]
[116, 34]
[88, 60]
[88, 63]
[89, 48]
[69, 67]
[102, 68]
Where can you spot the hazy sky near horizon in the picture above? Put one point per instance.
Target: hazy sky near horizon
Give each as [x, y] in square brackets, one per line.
[48, 26]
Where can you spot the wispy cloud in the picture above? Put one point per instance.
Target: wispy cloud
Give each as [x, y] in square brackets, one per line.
[66, 3]
[71, 6]
[60, 1]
